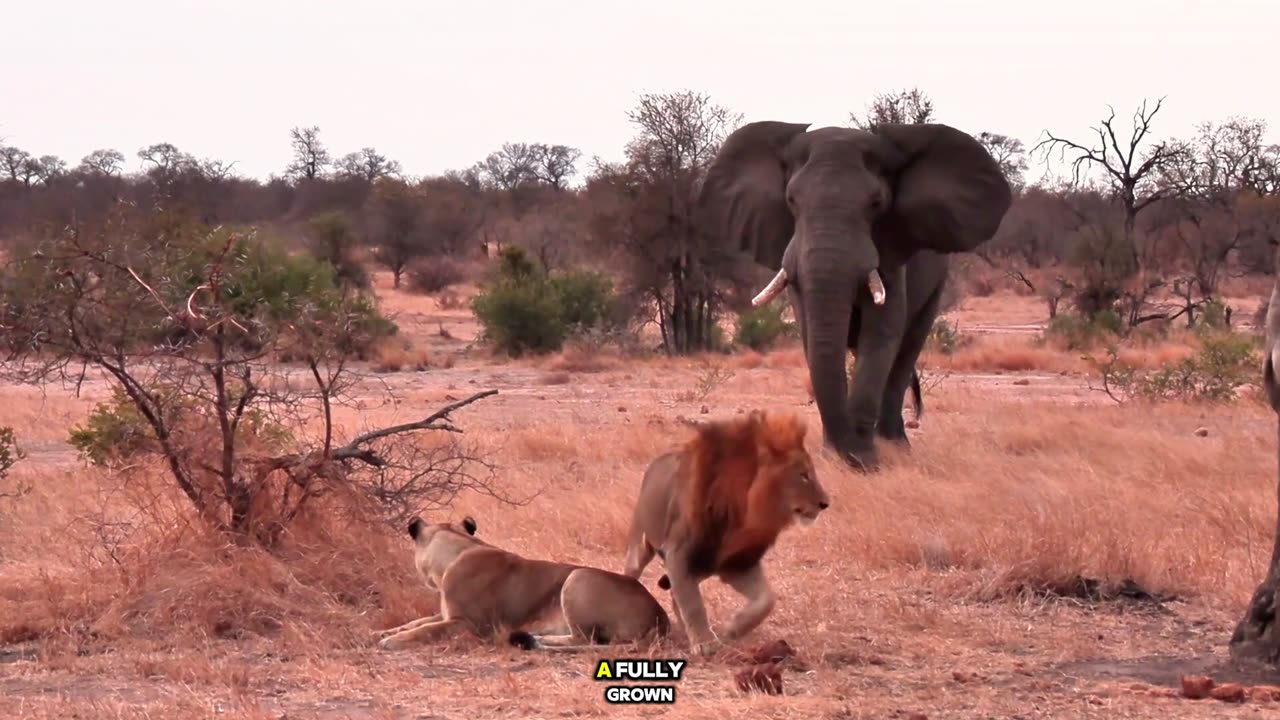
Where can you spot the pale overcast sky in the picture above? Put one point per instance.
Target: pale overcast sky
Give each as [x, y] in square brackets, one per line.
[437, 85]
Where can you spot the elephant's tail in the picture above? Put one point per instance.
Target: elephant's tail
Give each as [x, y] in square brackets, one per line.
[916, 394]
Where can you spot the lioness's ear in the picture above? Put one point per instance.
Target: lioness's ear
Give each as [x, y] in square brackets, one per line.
[415, 528]
[469, 524]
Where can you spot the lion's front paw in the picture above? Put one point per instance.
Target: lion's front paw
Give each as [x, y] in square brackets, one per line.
[392, 642]
[707, 647]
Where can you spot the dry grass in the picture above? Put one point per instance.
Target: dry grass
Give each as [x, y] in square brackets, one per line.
[397, 355]
[933, 567]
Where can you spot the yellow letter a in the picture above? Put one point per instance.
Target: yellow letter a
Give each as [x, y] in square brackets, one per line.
[603, 670]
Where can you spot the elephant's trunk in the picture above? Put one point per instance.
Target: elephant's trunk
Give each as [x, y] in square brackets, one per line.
[831, 275]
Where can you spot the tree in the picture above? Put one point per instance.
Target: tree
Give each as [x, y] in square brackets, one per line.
[394, 222]
[187, 325]
[13, 161]
[310, 158]
[166, 162]
[49, 168]
[555, 165]
[331, 238]
[1129, 168]
[367, 164]
[908, 106]
[1009, 153]
[104, 162]
[653, 211]
[1215, 177]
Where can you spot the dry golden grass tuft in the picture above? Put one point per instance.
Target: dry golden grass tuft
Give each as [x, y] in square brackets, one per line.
[396, 355]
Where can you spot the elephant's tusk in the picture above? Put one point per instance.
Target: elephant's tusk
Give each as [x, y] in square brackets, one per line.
[771, 290]
[877, 287]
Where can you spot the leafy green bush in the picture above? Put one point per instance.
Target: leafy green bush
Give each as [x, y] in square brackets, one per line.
[1077, 332]
[761, 327]
[522, 309]
[1224, 362]
[587, 300]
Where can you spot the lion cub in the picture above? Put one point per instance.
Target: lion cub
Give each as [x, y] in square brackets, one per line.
[716, 506]
[484, 588]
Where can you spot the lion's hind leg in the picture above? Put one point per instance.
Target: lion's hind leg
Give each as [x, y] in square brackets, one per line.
[574, 641]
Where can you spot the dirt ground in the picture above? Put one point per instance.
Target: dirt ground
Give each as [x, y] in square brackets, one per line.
[939, 587]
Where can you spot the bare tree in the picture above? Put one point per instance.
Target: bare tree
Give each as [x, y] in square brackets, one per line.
[1129, 166]
[908, 106]
[310, 158]
[653, 211]
[104, 162]
[555, 165]
[13, 160]
[367, 164]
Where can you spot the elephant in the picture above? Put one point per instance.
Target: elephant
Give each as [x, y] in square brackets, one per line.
[859, 225]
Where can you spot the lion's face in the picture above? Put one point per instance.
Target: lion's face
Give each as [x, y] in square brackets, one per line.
[795, 482]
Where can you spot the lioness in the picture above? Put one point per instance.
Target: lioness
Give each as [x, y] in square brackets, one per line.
[484, 587]
[716, 506]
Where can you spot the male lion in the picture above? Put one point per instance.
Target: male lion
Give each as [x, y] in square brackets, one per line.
[484, 588]
[716, 506]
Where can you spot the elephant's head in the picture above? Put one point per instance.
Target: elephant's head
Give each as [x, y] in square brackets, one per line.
[853, 195]
[846, 207]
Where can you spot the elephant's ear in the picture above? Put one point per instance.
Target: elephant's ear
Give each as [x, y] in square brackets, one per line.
[742, 204]
[949, 194]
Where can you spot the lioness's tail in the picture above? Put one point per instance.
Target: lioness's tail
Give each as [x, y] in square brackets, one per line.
[529, 641]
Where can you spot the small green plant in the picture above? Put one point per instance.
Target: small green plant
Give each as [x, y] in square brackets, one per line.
[116, 432]
[522, 309]
[713, 375]
[946, 338]
[1213, 314]
[10, 451]
[1225, 362]
[759, 328]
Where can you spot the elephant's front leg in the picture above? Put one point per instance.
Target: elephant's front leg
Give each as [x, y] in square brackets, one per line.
[913, 341]
[878, 342]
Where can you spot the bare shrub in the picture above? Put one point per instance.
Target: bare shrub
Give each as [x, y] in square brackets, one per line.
[431, 275]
